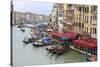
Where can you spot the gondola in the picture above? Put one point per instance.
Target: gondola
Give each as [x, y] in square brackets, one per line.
[22, 30]
[29, 40]
[19, 26]
[57, 49]
[26, 42]
[37, 44]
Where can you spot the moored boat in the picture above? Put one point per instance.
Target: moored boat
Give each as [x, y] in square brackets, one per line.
[38, 43]
[23, 30]
[57, 49]
[28, 40]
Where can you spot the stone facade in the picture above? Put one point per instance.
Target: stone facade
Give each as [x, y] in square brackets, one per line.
[75, 18]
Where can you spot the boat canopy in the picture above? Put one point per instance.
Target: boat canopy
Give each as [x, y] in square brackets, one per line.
[47, 40]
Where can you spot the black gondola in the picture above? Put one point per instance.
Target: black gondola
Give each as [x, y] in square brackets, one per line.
[58, 49]
[28, 40]
[19, 26]
[23, 30]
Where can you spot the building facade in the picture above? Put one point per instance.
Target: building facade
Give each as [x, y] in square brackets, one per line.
[85, 20]
[75, 18]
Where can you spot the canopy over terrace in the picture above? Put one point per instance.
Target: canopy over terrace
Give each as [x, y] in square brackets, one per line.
[72, 35]
[90, 43]
[57, 34]
[69, 35]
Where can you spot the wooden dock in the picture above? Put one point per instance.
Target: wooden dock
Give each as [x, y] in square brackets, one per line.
[78, 50]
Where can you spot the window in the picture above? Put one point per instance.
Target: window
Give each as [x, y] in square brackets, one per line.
[79, 24]
[87, 19]
[87, 9]
[82, 25]
[87, 29]
[94, 8]
[80, 9]
[94, 17]
[95, 31]
[83, 9]
[83, 16]
[91, 9]
[91, 30]
[70, 5]
[91, 19]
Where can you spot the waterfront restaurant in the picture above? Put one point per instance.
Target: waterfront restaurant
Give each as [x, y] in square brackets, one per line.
[78, 41]
[89, 45]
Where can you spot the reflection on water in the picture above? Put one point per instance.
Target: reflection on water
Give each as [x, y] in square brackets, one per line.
[26, 54]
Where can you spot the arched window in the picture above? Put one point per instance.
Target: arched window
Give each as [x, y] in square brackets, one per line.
[87, 29]
[80, 9]
[95, 31]
[76, 23]
[82, 25]
[87, 9]
[79, 24]
[91, 30]
[83, 9]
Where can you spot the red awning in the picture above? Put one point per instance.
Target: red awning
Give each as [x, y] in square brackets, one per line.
[71, 35]
[57, 34]
[85, 44]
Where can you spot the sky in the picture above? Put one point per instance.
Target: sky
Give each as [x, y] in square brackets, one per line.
[34, 7]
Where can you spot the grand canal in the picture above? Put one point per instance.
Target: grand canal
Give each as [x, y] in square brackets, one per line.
[26, 54]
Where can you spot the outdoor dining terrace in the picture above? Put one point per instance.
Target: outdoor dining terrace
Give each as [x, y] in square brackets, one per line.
[79, 41]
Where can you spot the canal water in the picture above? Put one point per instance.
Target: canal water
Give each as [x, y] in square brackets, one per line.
[26, 54]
